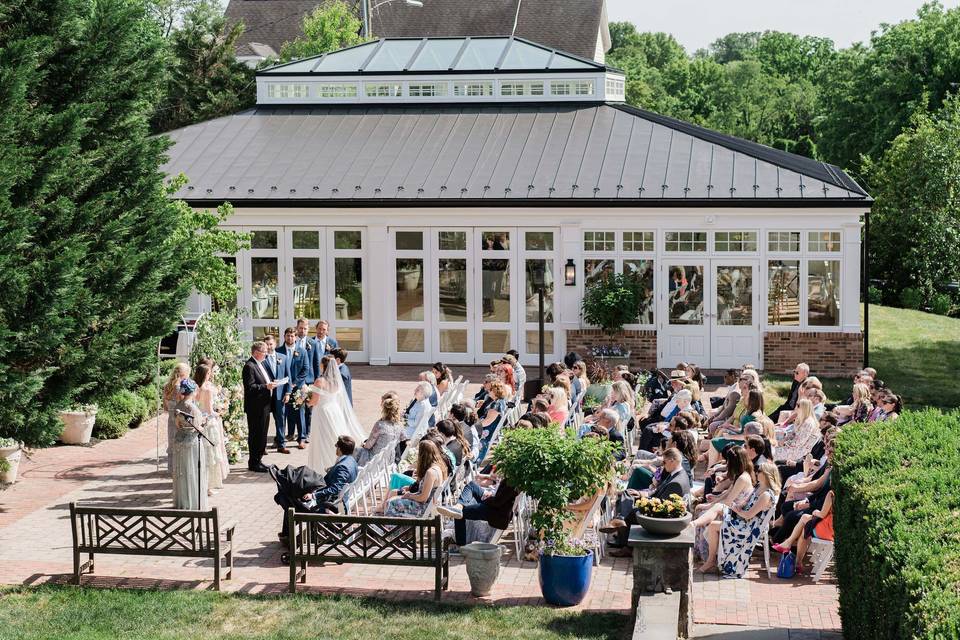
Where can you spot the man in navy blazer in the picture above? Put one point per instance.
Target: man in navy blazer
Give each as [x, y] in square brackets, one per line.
[324, 499]
[278, 365]
[301, 373]
[323, 344]
[306, 344]
[341, 357]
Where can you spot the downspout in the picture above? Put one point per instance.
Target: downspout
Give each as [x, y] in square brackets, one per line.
[866, 288]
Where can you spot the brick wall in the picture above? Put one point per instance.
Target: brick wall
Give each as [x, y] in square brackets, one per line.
[828, 354]
[642, 344]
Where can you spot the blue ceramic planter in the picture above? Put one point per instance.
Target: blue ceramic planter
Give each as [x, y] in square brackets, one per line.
[565, 580]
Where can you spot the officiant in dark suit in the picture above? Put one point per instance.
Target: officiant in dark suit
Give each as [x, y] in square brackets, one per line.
[258, 386]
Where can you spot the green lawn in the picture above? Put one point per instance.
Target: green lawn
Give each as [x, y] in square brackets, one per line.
[916, 354]
[63, 613]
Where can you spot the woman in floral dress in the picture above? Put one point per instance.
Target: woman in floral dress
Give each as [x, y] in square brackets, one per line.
[413, 502]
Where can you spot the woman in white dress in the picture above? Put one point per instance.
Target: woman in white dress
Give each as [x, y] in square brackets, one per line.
[332, 417]
[208, 395]
[171, 395]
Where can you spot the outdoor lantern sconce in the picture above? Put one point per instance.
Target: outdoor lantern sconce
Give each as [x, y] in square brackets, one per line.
[570, 273]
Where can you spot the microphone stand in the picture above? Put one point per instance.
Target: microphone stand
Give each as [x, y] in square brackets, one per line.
[200, 434]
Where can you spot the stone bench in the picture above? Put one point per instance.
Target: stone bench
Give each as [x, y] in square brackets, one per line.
[176, 533]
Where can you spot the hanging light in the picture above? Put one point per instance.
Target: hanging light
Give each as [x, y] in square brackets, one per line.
[570, 273]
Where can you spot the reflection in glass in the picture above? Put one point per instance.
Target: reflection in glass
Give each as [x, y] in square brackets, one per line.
[595, 270]
[532, 306]
[453, 340]
[231, 304]
[496, 290]
[410, 340]
[783, 304]
[533, 342]
[643, 270]
[409, 240]
[452, 240]
[823, 293]
[539, 241]
[263, 240]
[346, 240]
[409, 289]
[734, 296]
[306, 287]
[496, 341]
[350, 338]
[259, 333]
[495, 240]
[686, 294]
[348, 282]
[452, 289]
[264, 294]
[306, 239]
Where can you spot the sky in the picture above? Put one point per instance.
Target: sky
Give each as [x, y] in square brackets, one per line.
[843, 21]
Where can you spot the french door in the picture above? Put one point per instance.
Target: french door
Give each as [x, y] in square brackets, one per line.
[709, 311]
[466, 296]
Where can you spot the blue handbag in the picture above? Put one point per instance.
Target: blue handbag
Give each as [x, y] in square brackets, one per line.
[787, 566]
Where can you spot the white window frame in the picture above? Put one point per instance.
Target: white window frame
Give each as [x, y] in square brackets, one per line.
[337, 90]
[804, 256]
[778, 250]
[439, 89]
[740, 252]
[473, 89]
[393, 89]
[692, 252]
[287, 90]
[618, 256]
[526, 88]
[808, 239]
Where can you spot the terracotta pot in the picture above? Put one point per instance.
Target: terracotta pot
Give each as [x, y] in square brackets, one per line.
[12, 455]
[77, 426]
[483, 566]
[664, 526]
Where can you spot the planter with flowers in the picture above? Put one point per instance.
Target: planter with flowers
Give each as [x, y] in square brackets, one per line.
[9, 460]
[663, 517]
[555, 468]
[78, 424]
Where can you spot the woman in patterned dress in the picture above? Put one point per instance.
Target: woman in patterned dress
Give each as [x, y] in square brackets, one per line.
[171, 395]
[413, 501]
[739, 479]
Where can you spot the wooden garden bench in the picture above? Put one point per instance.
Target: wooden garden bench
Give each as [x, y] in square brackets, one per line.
[409, 542]
[150, 532]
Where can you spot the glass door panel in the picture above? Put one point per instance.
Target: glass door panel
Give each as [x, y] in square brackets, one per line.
[411, 292]
[495, 317]
[306, 287]
[454, 296]
[685, 297]
[538, 255]
[683, 332]
[734, 331]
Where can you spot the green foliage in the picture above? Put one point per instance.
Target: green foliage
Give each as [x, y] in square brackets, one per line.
[874, 295]
[332, 25]
[554, 468]
[613, 301]
[911, 298]
[98, 261]
[941, 304]
[116, 413]
[204, 78]
[898, 536]
[148, 393]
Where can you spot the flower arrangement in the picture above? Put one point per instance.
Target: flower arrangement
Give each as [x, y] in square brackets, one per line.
[88, 409]
[672, 507]
[299, 396]
[609, 351]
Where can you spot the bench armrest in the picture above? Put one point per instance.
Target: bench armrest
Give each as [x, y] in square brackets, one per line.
[229, 529]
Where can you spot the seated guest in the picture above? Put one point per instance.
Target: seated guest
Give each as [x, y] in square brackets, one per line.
[858, 410]
[386, 431]
[652, 433]
[505, 375]
[607, 425]
[646, 470]
[696, 376]
[469, 422]
[807, 390]
[889, 407]
[579, 382]
[805, 496]
[559, 405]
[519, 375]
[799, 437]
[860, 377]
[791, 467]
[660, 408]
[303, 490]
[753, 412]
[485, 399]
[718, 400]
[623, 400]
[412, 501]
[732, 486]
[816, 524]
[443, 375]
[480, 501]
[450, 461]
[554, 370]
[738, 526]
[455, 440]
[493, 418]
[420, 407]
[434, 397]
[800, 374]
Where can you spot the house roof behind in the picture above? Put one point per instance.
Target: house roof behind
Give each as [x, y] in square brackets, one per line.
[572, 153]
[568, 25]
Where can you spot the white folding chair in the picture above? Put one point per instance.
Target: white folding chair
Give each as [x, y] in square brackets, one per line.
[821, 553]
[763, 539]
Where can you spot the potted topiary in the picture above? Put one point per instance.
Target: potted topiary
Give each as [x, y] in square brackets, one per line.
[78, 424]
[555, 468]
[9, 460]
[663, 517]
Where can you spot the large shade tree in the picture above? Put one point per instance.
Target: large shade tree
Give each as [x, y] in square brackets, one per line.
[97, 261]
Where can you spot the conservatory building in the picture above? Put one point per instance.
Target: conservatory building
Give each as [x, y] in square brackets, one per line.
[417, 193]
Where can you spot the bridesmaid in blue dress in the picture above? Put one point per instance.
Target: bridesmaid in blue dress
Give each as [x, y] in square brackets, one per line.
[189, 455]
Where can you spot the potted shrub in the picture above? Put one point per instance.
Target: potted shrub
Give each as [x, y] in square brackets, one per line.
[9, 460]
[555, 468]
[609, 303]
[78, 424]
[663, 517]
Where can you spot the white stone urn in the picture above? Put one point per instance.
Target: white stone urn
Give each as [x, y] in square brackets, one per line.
[12, 456]
[78, 425]
[483, 566]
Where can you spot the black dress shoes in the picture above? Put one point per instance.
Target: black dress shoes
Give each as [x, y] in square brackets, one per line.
[259, 468]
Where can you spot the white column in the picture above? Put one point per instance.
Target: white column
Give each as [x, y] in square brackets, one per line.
[852, 279]
[569, 297]
[379, 291]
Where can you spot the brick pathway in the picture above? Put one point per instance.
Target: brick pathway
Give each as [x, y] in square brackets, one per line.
[35, 538]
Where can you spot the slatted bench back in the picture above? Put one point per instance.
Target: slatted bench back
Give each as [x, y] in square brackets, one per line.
[160, 532]
[367, 539]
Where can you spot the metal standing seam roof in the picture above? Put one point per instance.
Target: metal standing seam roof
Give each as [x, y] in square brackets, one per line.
[389, 56]
[562, 152]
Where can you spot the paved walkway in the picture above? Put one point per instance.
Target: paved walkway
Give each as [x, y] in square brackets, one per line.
[35, 540]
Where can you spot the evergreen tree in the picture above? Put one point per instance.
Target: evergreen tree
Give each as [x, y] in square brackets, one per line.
[97, 261]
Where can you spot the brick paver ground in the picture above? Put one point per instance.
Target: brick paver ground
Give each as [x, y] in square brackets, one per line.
[35, 540]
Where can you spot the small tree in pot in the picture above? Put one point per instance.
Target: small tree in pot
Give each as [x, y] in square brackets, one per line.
[613, 301]
[554, 468]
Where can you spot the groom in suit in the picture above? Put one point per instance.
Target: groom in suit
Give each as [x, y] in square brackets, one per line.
[301, 373]
[258, 386]
[278, 366]
[323, 344]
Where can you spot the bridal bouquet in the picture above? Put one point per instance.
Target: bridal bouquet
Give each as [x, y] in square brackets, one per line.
[299, 396]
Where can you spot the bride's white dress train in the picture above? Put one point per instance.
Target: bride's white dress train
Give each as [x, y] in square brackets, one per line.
[332, 417]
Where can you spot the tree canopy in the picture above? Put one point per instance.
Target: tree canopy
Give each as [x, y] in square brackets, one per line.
[331, 26]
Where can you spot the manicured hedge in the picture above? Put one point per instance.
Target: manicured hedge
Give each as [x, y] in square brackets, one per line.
[116, 413]
[898, 527]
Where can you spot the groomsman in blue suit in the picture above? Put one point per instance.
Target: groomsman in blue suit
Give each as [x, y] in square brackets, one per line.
[323, 344]
[278, 366]
[297, 353]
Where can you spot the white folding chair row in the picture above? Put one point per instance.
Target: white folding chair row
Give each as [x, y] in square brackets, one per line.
[763, 539]
[522, 509]
[596, 518]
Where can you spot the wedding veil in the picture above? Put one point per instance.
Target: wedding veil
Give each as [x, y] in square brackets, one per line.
[335, 381]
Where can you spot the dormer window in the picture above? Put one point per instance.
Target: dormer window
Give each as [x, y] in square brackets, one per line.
[287, 90]
[531, 88]
[383, 89]
[571, 88]
[428, 89]
[473, 89]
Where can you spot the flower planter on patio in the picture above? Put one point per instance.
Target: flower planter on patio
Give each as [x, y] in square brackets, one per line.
[77, 426]
[12, 456]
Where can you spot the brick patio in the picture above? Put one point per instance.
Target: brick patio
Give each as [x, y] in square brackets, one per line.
[35, 540]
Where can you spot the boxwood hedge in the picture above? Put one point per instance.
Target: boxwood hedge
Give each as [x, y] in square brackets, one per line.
[898, 527]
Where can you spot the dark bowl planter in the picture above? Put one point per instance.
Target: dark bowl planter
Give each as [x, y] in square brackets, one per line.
[565, 580]
[664, 526]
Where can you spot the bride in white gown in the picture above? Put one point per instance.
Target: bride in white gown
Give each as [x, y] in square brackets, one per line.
[332, 417]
